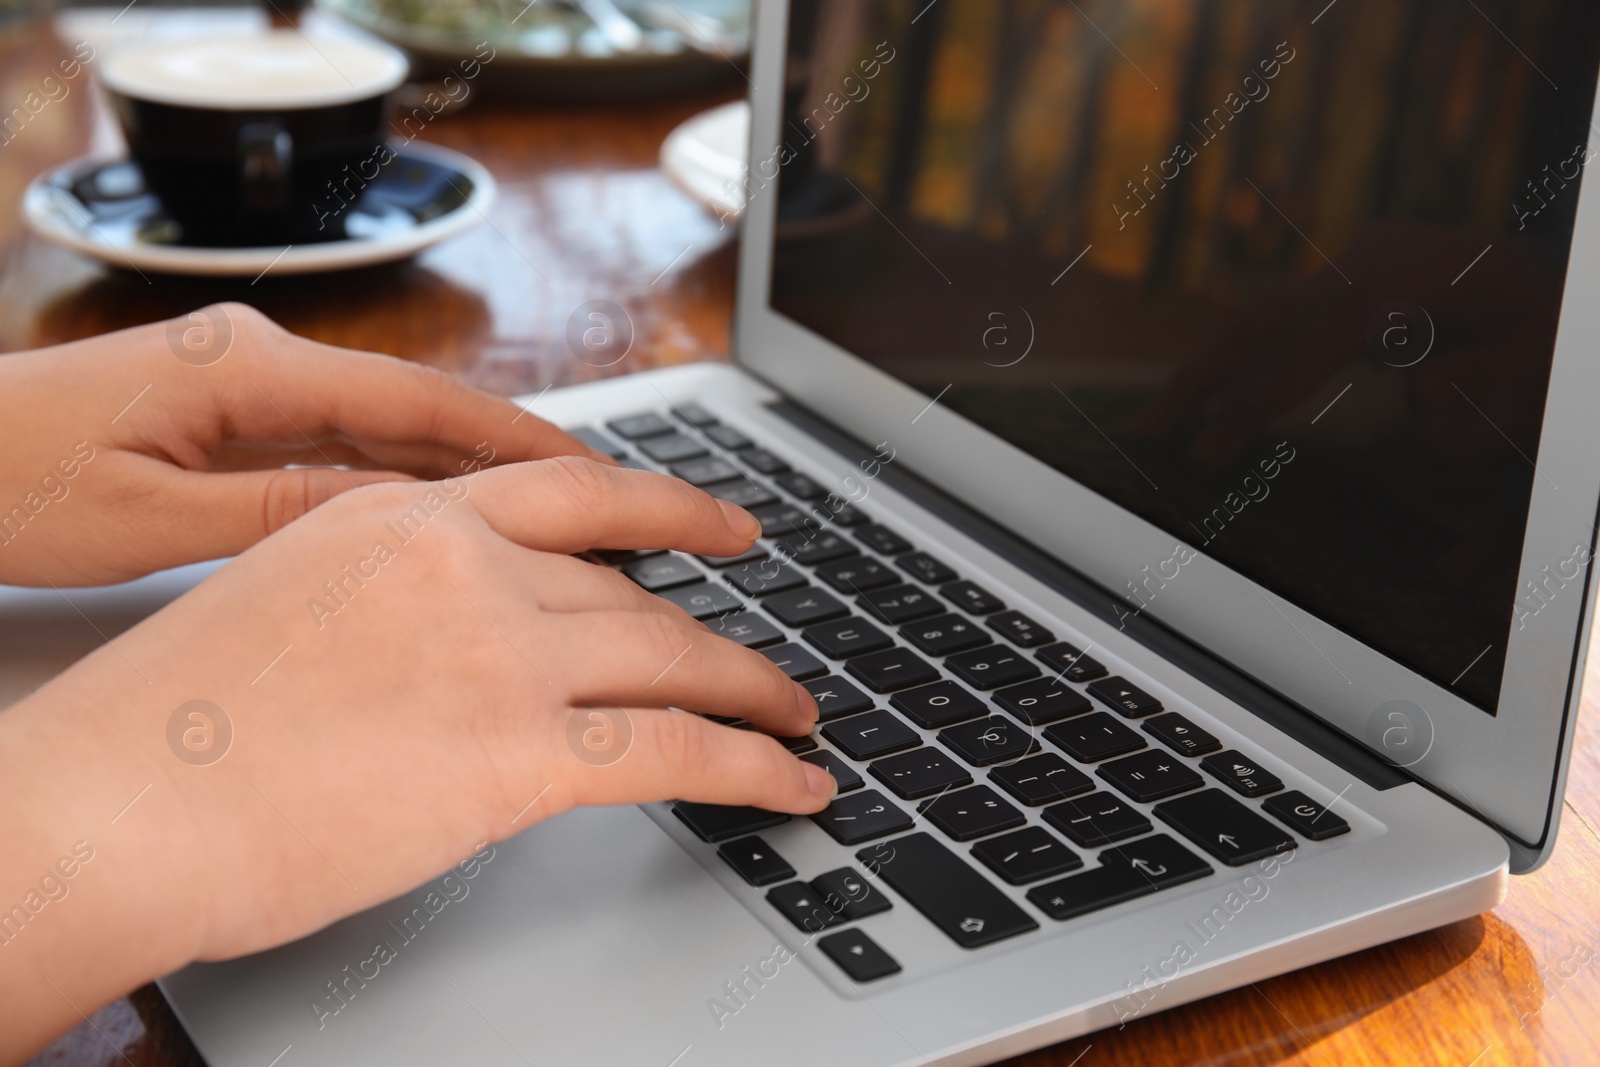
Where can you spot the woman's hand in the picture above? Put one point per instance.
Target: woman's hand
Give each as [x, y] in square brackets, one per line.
[404, 673]
[166, 444]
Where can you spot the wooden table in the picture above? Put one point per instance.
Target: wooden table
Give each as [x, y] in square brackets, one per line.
[584, 214]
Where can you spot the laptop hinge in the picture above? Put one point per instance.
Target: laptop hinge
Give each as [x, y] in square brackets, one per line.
[1266, 704]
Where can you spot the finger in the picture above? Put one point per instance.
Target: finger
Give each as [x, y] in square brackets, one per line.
[672, 755]
[320, 389]
[570, 584]
[569, 505]
[212, 515]
[658, 660]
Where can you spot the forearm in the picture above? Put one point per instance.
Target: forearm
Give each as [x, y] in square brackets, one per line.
[93, 887]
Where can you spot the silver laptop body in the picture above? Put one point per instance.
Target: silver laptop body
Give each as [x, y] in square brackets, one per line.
[622, 936]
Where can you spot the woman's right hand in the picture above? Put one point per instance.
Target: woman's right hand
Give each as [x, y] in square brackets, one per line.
[400, 675]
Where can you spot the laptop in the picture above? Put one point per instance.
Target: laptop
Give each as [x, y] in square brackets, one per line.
[1170, 427]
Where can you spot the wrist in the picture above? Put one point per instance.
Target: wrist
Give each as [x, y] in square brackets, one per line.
[99, 888]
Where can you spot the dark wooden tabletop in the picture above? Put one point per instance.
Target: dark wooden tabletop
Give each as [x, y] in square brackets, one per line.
[585, 214]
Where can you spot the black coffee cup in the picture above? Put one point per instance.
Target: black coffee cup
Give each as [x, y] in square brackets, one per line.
[241, 137]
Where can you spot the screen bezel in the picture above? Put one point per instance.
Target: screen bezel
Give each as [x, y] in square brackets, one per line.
[1505, 767]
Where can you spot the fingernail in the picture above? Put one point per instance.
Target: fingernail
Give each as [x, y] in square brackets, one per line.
[807, 703]
[820, 782]
[740, 521]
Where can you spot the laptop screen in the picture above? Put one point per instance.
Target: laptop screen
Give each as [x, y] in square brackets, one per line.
[1282, 280]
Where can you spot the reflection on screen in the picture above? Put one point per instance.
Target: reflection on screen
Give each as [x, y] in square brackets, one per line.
[1283, 279]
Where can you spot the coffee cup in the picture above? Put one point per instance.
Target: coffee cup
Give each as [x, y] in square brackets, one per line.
[239, 137]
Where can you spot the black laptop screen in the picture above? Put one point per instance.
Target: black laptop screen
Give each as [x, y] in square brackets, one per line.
[1281, 278]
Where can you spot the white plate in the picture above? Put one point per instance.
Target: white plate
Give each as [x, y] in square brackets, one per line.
[53, 212]
[705, 157]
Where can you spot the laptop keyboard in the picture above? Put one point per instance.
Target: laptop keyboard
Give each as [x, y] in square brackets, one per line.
[973, 749]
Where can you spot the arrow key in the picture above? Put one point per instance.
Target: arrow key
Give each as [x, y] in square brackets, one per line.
[858, 955]
[1224, 827]
[755, 860]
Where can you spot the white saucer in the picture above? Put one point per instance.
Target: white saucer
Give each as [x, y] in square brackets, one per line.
[124, 226]
[705, 157]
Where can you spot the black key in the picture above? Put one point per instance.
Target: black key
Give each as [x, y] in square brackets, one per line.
[898, 668]
[850, 896]
[693, 413]
[749, 555]
[748, 629]
[764, 578]
[1042, 779]
[942, 703]
[870, 735]
[1092, 738]
[971, 910]
[1306, 816]
[1069, 662]
[846, 637]
[598, 441]
[803, 906]
[636, 464]
[925, 568]
[858, 955]
[970, 813]
[945, 634]
[971, 598]
[663, 572]
[861, 817]
[726, 437]
[704, 471]
[798, 745]
[1042, 701]
[1026, 856]
[719, 822]
[802, 607]
[1019, 629]
[634, 427]
[1097, 819]
[1224, 827]
[763, 461]
[755, 860]
[784, 520]
[899, 603]
[1119, 694]
[820, 548]
[619, 556]
[992, 667]
[795, 661]
[741, 491]
[1150, 776]
[922, 772]
[882, 539]
[835, 697]
[801, 485]
[857, 574]
[842, 772]
[988, 741]
[1240, 773]
[847, 514]
[703, 600]
[671, 447]
[1127, 872]
[1181, 735]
